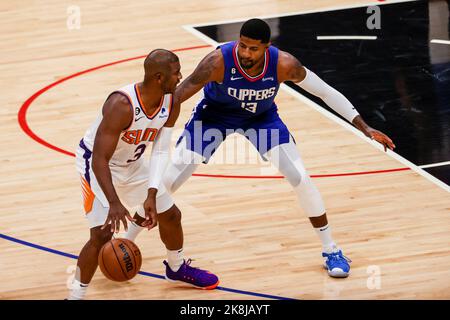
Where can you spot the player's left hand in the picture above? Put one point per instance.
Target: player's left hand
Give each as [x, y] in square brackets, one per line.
[150, 210]
[380, 137]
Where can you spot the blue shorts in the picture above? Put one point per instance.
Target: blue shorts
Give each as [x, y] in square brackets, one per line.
[205, 131]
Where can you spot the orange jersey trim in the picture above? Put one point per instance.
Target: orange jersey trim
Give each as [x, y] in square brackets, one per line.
[88, 195]
[136, 87]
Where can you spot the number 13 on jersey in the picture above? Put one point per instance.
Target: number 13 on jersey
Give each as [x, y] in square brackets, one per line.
[249, 106]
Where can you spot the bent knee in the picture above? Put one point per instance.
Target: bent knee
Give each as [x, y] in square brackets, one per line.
[170, 217]
[294, 177]
[295, 174]
[100, 237]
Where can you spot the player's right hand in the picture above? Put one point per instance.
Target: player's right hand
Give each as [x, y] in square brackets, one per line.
[117, 212]
[150, 210]
[381, 138]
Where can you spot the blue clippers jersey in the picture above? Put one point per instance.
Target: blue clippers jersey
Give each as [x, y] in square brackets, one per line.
[240, 96]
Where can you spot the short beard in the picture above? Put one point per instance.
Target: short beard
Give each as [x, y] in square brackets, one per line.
[167, 90]
[246, 66]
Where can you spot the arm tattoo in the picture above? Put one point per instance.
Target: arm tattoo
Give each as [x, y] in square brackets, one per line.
[198, 78]
[295, 73]
[203, 72]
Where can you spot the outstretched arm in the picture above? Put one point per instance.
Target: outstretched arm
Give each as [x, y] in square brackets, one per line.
[211, 68]
[290, 69]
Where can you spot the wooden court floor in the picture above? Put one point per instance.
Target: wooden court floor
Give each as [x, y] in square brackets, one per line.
[251, 232]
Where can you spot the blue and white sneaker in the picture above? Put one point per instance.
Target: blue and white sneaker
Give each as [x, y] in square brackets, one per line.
[336, 264]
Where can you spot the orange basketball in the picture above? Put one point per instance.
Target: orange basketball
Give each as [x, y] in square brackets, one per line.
[120, 259]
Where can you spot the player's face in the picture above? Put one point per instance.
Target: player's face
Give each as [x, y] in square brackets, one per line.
[173, 78]
[250, 51]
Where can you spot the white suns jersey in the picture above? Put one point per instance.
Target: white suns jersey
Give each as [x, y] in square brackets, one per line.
[143, 128]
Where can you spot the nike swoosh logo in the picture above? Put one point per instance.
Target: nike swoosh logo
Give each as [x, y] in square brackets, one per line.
[265, 79]
[138, 119]
[232, 78]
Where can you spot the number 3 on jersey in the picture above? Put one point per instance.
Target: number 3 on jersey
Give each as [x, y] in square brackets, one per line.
[138, 152]
[249, 106]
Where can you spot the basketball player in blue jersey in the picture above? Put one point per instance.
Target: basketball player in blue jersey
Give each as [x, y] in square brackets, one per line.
[240, 81]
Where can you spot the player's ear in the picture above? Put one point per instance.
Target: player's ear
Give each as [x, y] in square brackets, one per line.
[159, 77]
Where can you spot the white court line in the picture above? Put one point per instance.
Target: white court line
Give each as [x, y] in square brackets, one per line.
[348, 126]
[346, 37]
[200, 35]
[437, 164]
[440, 41]
[315, 106]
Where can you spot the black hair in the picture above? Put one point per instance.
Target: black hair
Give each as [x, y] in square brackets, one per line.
[256, 29]
[158, 60]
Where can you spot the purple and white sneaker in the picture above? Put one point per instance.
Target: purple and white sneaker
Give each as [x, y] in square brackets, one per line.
[196, 277]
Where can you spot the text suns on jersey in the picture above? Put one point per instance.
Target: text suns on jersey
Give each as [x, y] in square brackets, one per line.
[135, 136]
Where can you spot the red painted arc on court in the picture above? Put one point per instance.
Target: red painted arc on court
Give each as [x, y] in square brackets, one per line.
[22, 119]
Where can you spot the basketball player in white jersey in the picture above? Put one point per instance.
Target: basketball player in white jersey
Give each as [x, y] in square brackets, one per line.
[240, 80]
[116, 178]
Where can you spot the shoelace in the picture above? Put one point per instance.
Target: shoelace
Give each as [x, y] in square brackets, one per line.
[337, 256]
[195, 271]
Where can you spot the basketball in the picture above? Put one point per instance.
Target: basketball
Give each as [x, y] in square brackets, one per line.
[120, 259]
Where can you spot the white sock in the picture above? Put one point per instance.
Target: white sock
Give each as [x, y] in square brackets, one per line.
[324, 234]
[133, 231]
[78, 291]
[175, 259]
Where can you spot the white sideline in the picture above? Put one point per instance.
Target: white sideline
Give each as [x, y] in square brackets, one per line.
[346, 37]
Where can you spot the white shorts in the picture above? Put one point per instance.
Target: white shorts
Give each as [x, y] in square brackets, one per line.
[130, 183]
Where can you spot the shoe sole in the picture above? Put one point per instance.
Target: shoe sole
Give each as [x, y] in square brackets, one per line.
[336, 274]
[211, 287]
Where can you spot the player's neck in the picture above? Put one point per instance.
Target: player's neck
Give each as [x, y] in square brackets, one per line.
[256, 69]
[149, 96]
